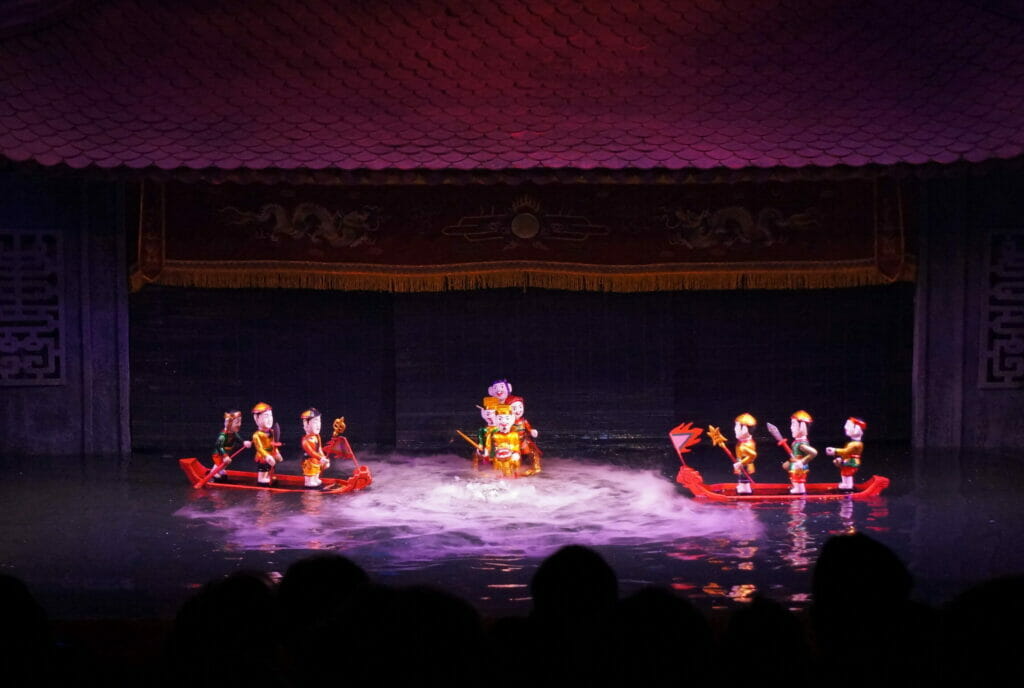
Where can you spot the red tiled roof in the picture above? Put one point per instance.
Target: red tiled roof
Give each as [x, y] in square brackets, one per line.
[536, 84]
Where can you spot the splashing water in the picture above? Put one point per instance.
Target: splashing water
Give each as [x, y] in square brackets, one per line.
[423, 509]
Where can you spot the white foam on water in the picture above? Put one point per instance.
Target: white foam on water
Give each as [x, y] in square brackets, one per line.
[422, 509]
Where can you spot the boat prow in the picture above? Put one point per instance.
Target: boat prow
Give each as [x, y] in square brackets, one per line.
[283, 482]
[692, 480]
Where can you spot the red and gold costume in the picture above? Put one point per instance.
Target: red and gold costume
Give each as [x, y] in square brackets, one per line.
[313, 463]
[263, 443]
[502, 443]
[315, 460]
[746, 454]
[528, 446]
[850, 455]
[504, 448]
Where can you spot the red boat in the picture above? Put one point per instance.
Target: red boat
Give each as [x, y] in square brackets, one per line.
[691, 479]
[686, 435]
[283, 482]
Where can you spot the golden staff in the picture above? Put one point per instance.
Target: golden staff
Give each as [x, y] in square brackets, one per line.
[718, 440]
[467, 438]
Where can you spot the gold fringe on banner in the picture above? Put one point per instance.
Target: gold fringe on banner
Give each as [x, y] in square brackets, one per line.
[570, 277]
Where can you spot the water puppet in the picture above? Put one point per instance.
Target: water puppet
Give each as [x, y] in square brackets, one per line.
[848, 457]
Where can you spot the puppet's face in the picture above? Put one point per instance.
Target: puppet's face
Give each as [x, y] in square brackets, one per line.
[264, 420]
[233, 424]
[798, 429]
[312, 425]
[518, 409]
[501, 390]
[742, 432]
[504, 421]
[488, 416]
[853, 431]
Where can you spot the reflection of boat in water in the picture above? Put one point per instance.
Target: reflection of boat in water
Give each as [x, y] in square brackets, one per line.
[692, 480]
[245, 480]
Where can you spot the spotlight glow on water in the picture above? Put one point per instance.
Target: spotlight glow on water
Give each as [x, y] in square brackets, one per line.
[424, 509]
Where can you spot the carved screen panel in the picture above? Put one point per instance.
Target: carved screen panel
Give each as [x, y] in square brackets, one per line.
[1001, 350]
[31, 308]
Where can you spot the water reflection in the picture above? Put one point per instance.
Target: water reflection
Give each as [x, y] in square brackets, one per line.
[425, 509]
[430, 519]
[846, 517]
[801, 550]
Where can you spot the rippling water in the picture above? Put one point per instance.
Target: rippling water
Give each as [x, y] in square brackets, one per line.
[426, 509]
[98, 538]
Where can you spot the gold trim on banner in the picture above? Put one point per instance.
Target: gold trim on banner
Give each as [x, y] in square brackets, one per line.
[494, 275]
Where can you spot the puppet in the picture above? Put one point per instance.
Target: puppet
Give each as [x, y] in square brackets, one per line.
[746, 453]
[501, 390]
[229, 443]
[265, 440]
[527, 434]
[503, 443]
[315, 460]
[487, 414]
[800, 453]
[848, 457]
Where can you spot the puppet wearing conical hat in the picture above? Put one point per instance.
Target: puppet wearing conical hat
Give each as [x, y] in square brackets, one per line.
[264, 442]
[315, 460]
[801, 452]
[746, 452]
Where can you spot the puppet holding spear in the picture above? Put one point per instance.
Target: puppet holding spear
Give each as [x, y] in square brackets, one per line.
[800, 454]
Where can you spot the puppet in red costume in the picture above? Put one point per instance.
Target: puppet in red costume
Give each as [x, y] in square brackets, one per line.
[527, 433]
[315, 460]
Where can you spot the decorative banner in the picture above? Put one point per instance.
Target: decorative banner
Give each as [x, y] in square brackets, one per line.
[622, 238]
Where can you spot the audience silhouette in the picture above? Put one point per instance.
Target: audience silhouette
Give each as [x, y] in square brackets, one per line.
[327, 623]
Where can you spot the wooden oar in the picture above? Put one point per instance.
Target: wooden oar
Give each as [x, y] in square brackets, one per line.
[276, 430]
[217, 469]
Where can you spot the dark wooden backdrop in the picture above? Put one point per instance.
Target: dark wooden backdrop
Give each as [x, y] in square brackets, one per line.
[600, 372]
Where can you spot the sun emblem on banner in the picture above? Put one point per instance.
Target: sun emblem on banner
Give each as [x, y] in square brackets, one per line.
[525, 222]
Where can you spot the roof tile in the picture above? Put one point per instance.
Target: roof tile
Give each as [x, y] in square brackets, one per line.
[547, 83]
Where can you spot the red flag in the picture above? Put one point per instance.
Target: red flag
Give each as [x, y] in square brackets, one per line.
[683, 437]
